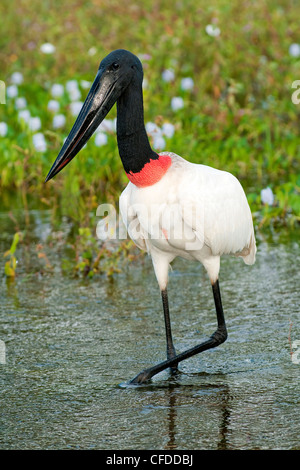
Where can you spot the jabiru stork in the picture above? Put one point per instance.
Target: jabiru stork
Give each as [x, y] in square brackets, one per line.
[171, 207]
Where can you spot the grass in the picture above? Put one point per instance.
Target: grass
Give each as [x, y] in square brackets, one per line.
[239, 116]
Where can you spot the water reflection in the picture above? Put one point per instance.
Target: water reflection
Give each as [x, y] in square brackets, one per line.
[206, 408]
[225, 419]
[171, 444]
[12, 291]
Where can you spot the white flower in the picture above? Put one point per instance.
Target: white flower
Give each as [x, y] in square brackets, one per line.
[73, 90]
[57, 90]
[75, 107]
[158, 142]
[145, 84]
[24, 115]
[17, 78]
[47, 48]
[187, 83]
[177, 103]
[212, 30]
[34, 123]
[74, 94]
[152, 129]
[3, 129]
[168, 129]
[168, 75]
[20, 103]
[100, 139]
[59, 121]
[145, 56]
[39, 142]
[85, 84]
[53, 106]
[12, 91]
[71, 84]
[267, 196]
[294, 50]
[92, 51]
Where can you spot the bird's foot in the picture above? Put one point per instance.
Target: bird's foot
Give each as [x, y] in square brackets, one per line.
[141, 378]
[146, 374]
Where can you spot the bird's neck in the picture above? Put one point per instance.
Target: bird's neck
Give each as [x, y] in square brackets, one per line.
[142, 165]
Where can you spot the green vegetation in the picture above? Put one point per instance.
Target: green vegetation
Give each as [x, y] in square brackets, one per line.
[243, 57]
[11, 264]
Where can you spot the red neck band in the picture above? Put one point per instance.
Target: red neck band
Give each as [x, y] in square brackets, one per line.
[151, 172]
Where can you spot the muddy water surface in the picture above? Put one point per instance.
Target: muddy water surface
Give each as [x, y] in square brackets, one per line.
[68, 344]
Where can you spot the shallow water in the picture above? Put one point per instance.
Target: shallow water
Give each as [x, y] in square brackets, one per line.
[70, 344]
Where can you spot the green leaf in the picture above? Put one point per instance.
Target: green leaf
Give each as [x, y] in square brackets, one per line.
[9, 271]
[14, 243]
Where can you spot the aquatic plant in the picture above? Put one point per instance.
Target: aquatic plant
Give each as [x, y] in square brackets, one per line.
[217, 90]
[11, 264]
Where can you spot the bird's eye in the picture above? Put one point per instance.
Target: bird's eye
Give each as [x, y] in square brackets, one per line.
[115, 65]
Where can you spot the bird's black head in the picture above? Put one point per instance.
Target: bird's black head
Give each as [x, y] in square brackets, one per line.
[116, 71]
[123, 66]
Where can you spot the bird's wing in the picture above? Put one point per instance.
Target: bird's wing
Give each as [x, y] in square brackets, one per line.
[217, 210]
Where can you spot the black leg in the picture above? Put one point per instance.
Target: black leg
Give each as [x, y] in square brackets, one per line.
[170, 347]
[218, 337]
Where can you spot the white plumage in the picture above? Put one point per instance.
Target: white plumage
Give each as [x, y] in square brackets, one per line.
[194, 211]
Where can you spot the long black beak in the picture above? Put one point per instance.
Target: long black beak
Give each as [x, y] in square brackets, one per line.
[102, 96]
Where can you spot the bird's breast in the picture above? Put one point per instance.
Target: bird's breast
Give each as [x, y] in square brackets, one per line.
[189, 207]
